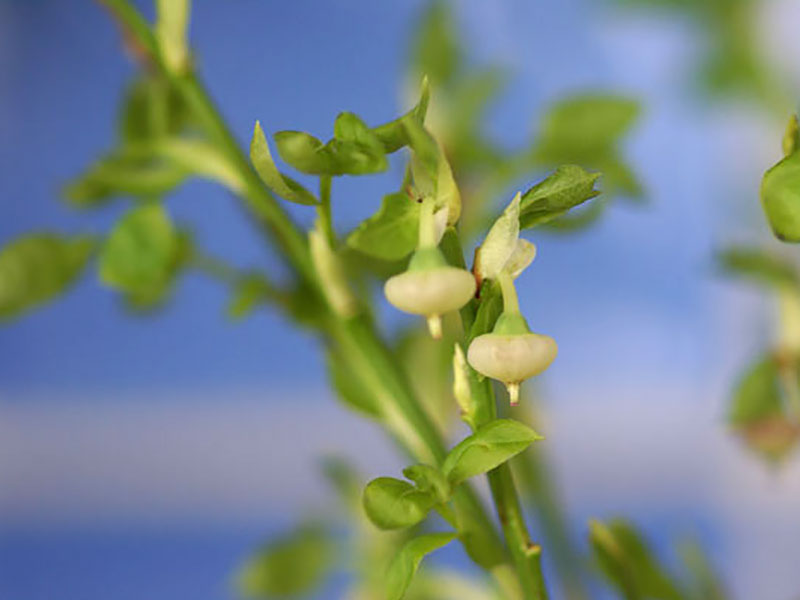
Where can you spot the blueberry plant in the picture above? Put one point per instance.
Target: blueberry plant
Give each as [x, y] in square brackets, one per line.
[471, 353]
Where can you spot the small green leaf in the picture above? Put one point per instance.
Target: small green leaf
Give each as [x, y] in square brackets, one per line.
[394, 504]
[628, 563]
[758, 393]
[304, 152]
[248, 294]
[584, 128]
[140, 254]
[489, 447]
[425, 158]
[705, 581]
[36, 268]
[151, 108]
[759, 265]
[349, 386]
[430, 479]
[124, 174]
[356, 148]
[282, 185]
[392, 232]
[567, 187]
[405, 564]
[294, 565]
[780, 198]
[500, 242]
[393, 134]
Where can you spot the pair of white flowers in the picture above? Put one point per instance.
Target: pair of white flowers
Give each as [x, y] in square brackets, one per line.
[430, 287]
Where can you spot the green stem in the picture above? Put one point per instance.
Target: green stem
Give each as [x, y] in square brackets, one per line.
[427, 226]
[324, 209]
[526, 554]
[509, 290]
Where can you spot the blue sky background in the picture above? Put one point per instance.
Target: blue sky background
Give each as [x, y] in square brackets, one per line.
[116, 429]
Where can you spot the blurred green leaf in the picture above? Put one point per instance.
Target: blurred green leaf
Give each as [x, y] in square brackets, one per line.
[283, 186]
[394, 504]
[436, 51]
[780, 197]
[759, 265]
[585, 127]
[757, 394]
[405, 564]
[791, 137]
[568, 187]
[489, 447]
[705, 582]
[248, 294]
[393, 134]
[425, 157]
[343, 477]
[349, 387]
[292, 566]
[140, 254]
[36, 268]
[628, 563]
[429, 479]
[124, 174]
[151, 109]
[392, 232]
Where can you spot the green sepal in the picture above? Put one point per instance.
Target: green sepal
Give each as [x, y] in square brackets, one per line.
[425, 259]
[510, 323]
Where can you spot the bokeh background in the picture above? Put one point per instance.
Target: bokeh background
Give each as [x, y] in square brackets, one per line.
[144, 457]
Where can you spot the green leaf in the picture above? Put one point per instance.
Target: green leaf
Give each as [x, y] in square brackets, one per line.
[349, 387]
[394, 504]
[568, 187]
[393, 134]
[248, 294]
[758, 393]
[628, 563]
[430, 479]
[392, 232]
[759, 265]
[124, 174]
[304, 152]
[294, 565]
[36, 268]
[356, 151]
[151, 108]
[425, 158]
[282, 185]
[140, 254]
[780, 197]
[405, 564]
[356, 148]
[489, 447]
[436, 51]
[705, 582]
[585, 127]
